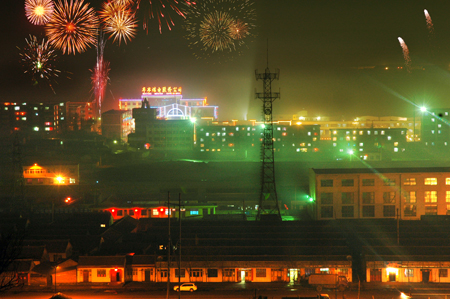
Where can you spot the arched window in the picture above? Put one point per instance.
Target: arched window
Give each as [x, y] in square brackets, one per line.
[175, 112]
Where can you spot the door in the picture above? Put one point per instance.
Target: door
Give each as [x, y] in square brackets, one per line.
[293, 275]
[248, 275]
[23, 278]
[147, 275]
[425, 275]
[85, 275]
[115, 275]
[392, 276]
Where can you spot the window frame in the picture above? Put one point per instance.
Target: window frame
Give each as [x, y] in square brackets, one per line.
[345, 212]
[326, 183]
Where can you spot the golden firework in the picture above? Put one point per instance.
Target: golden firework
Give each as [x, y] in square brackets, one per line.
[238, 29]
[215, 31]
[118, 21]
[73, 27]
[39, 12]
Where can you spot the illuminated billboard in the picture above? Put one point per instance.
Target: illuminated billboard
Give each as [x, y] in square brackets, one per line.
[165, 90]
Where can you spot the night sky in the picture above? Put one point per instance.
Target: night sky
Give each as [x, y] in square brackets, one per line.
[331, 56]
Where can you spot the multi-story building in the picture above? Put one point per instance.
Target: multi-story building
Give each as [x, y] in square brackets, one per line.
[169, 104]
[329, 124]
[436, 129]
[116, 124]
[32, 119]
[243, 138]
[368, 193]
[160, 134]
[79, 114]
[369, 144]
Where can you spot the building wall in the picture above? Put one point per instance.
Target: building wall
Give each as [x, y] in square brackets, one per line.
[117, 124]
[78, 113]
[439, 272]
[327, 125]
[138, 273]
[369, 144]
[381, 195]
[51, 175]
[66, 277]
[258, 272]
[243, 140]
[195, 211]
[435, 130]
[96, 274]
[33, 119]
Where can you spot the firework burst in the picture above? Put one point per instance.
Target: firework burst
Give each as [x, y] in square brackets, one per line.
[218, 27]
[238, 29]
[160, 10]
[118, 21]
[215, 31]
[38, 59]
[39, 12]
[123, 2]
[405, 54]
[73, 27]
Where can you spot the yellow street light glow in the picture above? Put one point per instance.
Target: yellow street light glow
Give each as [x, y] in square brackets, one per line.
[59, 179]
[392, 270]
[404, 296]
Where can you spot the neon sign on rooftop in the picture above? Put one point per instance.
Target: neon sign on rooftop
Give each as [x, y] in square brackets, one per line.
[161, 90]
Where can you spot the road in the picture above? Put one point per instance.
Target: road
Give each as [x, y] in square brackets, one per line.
[391, 293]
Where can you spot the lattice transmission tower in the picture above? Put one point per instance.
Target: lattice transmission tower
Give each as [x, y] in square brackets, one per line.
[268, 200]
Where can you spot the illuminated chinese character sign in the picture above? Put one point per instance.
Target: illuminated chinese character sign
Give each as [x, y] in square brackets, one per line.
[165, 90]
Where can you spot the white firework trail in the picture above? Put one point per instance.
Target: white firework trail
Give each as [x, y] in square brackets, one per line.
[405, 54]
[429, 22]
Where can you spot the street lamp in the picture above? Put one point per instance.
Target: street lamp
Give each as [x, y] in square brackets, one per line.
[350, 152]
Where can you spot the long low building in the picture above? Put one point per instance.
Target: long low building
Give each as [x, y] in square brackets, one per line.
[372, 250]
[102, 269]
